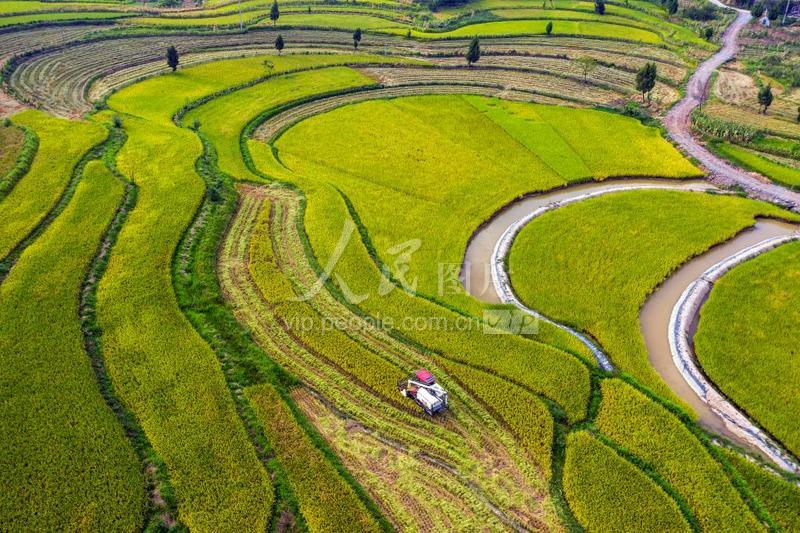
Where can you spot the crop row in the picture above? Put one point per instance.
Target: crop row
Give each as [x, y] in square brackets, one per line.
[364, 367]
[500, 78]
[631, 419]
[412, 491]
[620, 75]
[286, 346]
[526, 415]
[20, 42]
[60, 80]
[536, 442]
[615, 79]
[66, 461]
[608, 493]
[536, 44]
[765, 123]
[326, 501]
[22, 21]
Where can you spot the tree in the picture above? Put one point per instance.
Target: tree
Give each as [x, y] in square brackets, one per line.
[672, 6]
[274, 12]
[172, 58]
[587, 65]
[646, 79]
[708, 33]
[600, 7]
[765, 97]
[773, 10]
[757, 10]
[356, 38]
[474, 52]
[279, 44]
[549, 28]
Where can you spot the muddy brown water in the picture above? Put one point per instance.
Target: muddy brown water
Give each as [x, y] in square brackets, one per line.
[476, 265]
[655, 315]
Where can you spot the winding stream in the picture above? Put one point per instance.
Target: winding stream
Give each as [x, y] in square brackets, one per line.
[484, 266]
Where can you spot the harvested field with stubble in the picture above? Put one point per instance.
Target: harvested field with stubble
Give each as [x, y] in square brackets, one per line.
[239, 243]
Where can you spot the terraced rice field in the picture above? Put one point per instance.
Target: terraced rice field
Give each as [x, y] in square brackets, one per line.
[767, 123]
[619, 232]
[43, 18]
[61, 145]
[731, 344]
[214, 279]
[779, 171]
[534, 27]
[74, 426]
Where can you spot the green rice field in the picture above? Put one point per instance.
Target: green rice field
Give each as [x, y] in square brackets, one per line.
[732, 339]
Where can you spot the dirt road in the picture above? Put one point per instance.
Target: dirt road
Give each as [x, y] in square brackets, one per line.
[677, 123]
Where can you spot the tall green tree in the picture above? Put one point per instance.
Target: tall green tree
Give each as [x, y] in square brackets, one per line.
[600, 7]
[646, 79]
[672, 6]
[549, 28]
[587, 65]
[474, 52]
[765, 97]
[274, 12]
[172, 58]
[758, 9]
[356, 38]
[279, 44]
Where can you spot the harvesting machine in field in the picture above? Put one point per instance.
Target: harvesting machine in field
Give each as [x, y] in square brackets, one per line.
[421, 387]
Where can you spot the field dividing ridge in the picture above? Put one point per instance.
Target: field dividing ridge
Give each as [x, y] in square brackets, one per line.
[48, 184]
